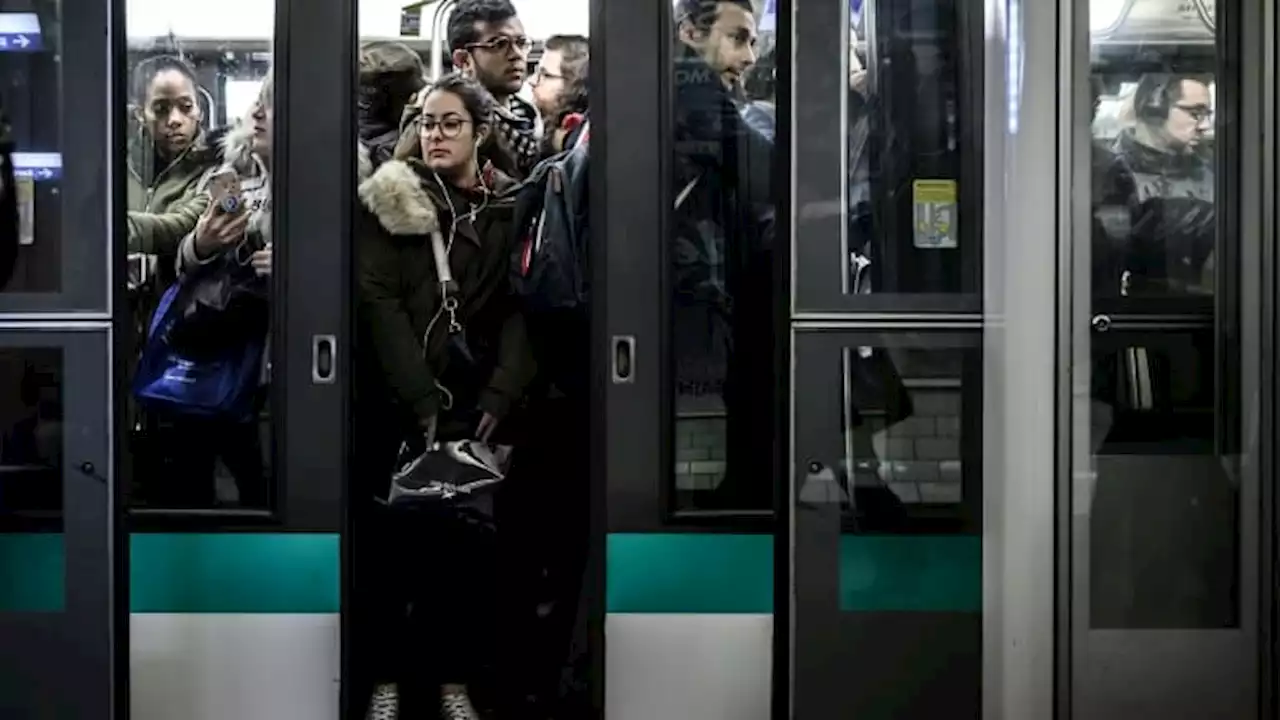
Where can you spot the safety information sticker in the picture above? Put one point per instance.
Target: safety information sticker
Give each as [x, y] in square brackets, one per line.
[935, 213]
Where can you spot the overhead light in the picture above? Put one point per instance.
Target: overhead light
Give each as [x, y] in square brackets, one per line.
[1106, 15]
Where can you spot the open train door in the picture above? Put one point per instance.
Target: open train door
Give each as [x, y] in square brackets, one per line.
[63, 602]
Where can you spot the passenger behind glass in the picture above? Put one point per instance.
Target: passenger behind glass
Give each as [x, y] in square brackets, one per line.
[760, 85]
[560, 90]
[722, 244]
[1165, 181]
[1164, 507]
[488, 43]
[233, 235]
[390, 74]
[424, 369]
[169, 152]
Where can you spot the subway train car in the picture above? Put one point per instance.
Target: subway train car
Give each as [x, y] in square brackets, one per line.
[968, 410]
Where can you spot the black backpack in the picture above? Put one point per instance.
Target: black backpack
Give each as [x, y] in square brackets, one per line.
[549, 268]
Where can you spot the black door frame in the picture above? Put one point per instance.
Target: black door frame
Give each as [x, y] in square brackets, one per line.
[80, 651]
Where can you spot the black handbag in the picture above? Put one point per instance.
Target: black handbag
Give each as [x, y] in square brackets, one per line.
[461, 476]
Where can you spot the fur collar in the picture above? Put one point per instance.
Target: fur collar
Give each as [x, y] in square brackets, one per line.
[394, 194]
[397, 196]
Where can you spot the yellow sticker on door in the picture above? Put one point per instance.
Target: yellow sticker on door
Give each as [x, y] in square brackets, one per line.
[935, 213]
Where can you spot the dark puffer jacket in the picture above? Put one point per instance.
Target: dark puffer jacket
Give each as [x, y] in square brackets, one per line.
[400, 301]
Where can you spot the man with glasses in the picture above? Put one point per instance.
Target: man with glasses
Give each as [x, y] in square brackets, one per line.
[488, 42]
[1163, 180]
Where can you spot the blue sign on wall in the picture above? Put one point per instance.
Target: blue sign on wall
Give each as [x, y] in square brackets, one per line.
[37, 166]
[20, 32]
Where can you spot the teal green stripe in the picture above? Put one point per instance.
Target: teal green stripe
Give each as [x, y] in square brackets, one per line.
[234, 573]
[647, 573]
[713, 573]
[923, 573]
[678, 573]
[32, 573]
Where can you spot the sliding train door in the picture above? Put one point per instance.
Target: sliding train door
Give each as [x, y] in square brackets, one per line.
[62, 623]
[889, 359]
[1170, 408]
[689, 233]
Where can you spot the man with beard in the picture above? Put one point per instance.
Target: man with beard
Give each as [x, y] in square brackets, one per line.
[487, 41]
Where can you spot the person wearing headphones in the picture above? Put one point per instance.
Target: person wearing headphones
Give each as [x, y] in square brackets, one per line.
[1163, 177]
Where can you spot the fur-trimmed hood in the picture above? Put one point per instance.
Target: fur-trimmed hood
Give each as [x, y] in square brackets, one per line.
[404, 203]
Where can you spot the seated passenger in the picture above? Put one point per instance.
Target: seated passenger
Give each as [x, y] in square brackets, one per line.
[429, 368]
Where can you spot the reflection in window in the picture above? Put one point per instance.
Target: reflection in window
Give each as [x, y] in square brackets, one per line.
[721, 256]
[906, 456]
[200, 118]
[31, 433]
[29, 66]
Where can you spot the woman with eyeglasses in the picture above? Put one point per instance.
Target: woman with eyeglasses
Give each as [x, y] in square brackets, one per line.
[444, 369]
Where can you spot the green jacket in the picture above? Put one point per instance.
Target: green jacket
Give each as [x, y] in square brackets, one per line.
[399, 295]
[163, 202]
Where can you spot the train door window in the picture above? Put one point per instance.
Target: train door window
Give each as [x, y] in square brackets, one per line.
[1166, 329]
[200, 256]
[457, 102]
[723, 229]
[898, 192]
[58, 157]
[887, 370]
[55, 539]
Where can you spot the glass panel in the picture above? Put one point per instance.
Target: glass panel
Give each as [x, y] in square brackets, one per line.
[721, 248]
[31, 447]
[1164, 509]
[1163, 419]
[518, 96]
[909, 461]
[887, 524]
[30, 49]
[900, 201]
[905, 122]
[199, 210]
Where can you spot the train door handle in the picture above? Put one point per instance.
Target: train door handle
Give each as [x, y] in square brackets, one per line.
[622, 351]
[324, 359]
[1101, 323]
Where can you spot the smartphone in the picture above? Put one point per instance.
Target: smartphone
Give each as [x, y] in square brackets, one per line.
[224, 192]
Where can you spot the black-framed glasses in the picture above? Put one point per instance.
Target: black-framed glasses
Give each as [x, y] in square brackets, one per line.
[449, 126]
[540, 73]
[1199, 113]
[503, 44]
